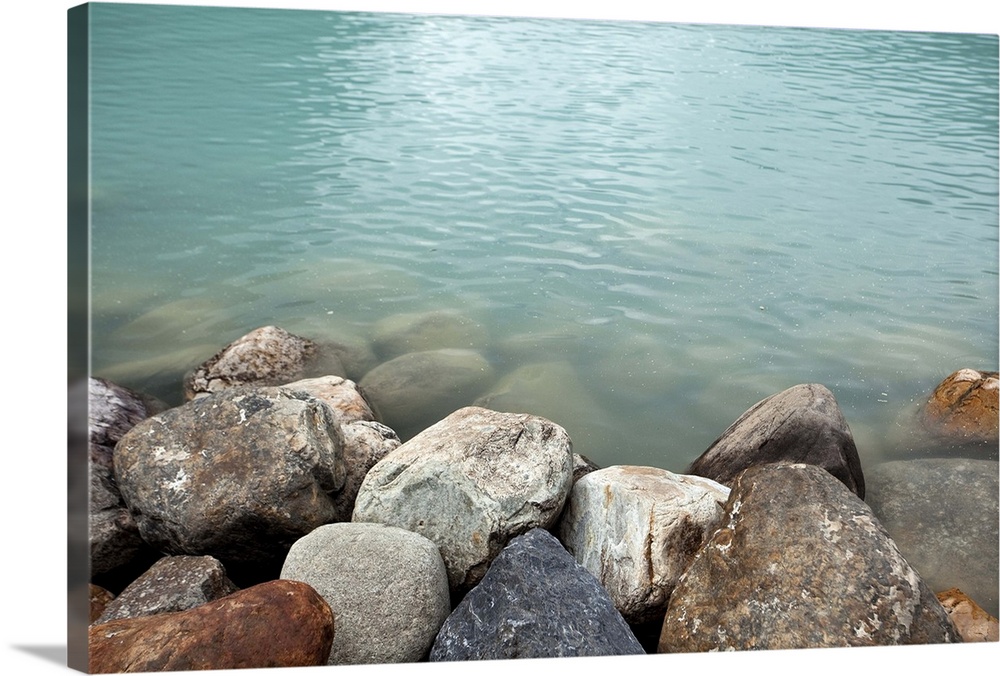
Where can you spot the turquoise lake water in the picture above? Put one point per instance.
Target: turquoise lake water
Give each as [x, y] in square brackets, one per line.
[684, 218]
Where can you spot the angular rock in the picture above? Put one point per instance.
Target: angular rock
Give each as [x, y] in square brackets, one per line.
[801, 424]
[388, 586]
[343, 396]
[799, 562]
[173, 583]
[582, 466]
[415, 390]
[971, 622]
[942, 514]
[238, 475]
[964, 408]
[365, 443]
[265, 356]
[365, 440]
[114, 539]
[281, 623]
[422, 331]
[470, 483]
[535, 601]
[636, 529]
[114, 410]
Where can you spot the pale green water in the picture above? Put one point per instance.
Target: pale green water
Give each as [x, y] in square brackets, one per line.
[693, 217]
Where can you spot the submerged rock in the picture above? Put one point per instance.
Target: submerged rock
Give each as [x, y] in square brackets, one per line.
[415, 390]
[799, 562]
[555, 391]
[535, 601]
[470, 483]
[281, 623]
[387, 585]
[801, 424]
[942, 513]
[964, 408]
[421, 331]
[265, 356]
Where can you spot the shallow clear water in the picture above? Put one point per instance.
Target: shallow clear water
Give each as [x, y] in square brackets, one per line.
[691, 217]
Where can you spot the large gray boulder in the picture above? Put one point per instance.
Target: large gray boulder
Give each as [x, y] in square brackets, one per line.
[535, 601]
[470, 483]
[799, 562]
[239, 475]
[942, 513]
[387, 586]
[415, 390]
[636, 529]
[172, 584]
[801, 424]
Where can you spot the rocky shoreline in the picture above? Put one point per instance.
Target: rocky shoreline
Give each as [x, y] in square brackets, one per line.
[289, 515]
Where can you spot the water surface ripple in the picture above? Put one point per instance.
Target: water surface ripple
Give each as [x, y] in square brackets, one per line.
[693, 217]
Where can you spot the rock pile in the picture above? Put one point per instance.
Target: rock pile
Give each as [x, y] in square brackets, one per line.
[290, 525]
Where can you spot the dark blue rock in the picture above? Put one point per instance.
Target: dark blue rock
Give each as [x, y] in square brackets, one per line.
[535, 601]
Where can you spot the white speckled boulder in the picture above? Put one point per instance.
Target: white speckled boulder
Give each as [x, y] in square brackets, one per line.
[238, 475]
[470, 483]
[636, 529]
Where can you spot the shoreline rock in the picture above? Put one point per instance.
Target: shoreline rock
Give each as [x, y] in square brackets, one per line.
[498, 477]
[801, 424]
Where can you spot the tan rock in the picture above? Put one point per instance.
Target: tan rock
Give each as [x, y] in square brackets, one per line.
[282, 623]
[972, 622]
[964, 407]
[343, 396]
[99, 600]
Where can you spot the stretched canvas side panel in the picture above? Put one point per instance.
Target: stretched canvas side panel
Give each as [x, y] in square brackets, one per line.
[78, 338]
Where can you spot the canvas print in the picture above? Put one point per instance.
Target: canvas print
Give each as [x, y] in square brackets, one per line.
[426, 338]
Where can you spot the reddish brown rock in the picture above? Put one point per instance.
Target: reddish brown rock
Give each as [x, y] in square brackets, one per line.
[964, 407]
[281, 623]
[972, 622]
